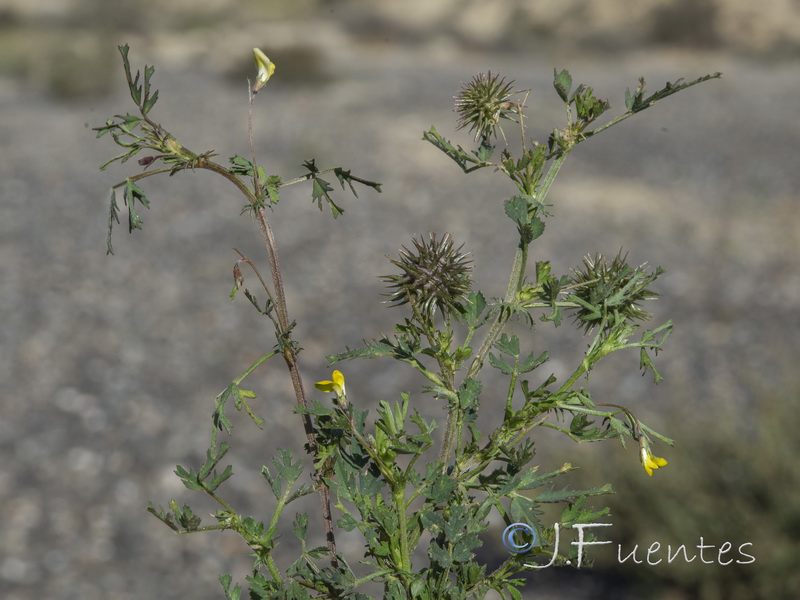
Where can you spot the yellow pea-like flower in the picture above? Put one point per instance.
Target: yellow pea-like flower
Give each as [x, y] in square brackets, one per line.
[335, 385]
[650, 462]
[265, 70]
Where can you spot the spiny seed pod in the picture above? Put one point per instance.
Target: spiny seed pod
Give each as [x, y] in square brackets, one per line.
[482, 102]
[611, 291]
[432, 275]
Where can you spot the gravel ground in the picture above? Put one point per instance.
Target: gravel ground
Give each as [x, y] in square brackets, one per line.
[111, 363]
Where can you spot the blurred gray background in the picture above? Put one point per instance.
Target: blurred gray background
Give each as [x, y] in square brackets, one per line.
[111, 363]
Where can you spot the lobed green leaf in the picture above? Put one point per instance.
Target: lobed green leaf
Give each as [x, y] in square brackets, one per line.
[562, 81]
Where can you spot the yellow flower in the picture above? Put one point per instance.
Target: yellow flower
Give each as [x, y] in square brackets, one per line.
[265, 69]
[336, 386]
[650, 462]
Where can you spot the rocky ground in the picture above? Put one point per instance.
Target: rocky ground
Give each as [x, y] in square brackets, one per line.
[111, 363]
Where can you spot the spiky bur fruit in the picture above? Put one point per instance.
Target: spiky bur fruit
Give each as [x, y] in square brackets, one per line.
[481, 104]
[434, 275]
[611, 291]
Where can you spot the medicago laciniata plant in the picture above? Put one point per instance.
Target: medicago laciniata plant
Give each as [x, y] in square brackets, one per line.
[421, 499]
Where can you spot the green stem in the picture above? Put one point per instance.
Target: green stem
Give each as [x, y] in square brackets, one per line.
[386, 470]
[576, 374]
[370, 577]
[398, 495]
[220, 501]
[480, 357]
[253, 367]
[273, 524]
[141, 176]
[308, 176]
[514, 282]
[512, 384]
[273, 569]
[544, 188]
[517, 271]
[497, 326]
[204, 528]
[658, 96]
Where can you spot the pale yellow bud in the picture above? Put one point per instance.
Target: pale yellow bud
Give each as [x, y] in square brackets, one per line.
[265, 69]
